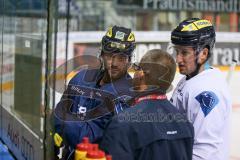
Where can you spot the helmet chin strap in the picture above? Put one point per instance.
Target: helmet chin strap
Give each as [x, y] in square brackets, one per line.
[102, 66]
[195, 72]
[198, 66]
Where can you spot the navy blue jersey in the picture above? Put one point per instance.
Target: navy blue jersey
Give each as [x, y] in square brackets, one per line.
[73, 130]
[152, 129]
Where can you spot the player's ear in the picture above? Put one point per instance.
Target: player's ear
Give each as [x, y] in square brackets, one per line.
[203, 55]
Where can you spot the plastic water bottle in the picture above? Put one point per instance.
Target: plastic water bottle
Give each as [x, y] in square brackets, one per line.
[95, 154]
[108, 157]
[82, 149]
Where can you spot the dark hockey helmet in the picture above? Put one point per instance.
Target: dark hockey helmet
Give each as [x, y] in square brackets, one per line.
[118, 40]
[195, 32]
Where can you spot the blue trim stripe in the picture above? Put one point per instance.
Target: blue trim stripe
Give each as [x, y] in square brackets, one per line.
[4, 153]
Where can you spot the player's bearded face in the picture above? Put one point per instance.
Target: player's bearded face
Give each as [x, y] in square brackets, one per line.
[116, 65]
[186, 59]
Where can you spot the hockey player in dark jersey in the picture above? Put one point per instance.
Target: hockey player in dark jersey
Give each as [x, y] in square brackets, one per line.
[93, 95]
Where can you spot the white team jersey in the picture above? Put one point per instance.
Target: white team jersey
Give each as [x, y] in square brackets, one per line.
[207, 102]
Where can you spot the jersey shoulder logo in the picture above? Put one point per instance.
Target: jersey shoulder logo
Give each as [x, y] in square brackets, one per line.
[208, 100]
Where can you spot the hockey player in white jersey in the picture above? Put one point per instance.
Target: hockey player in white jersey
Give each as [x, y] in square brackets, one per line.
[203, 92]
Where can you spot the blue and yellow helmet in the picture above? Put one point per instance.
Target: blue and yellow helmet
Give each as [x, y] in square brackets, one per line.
[195, 32]
[118, 40]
